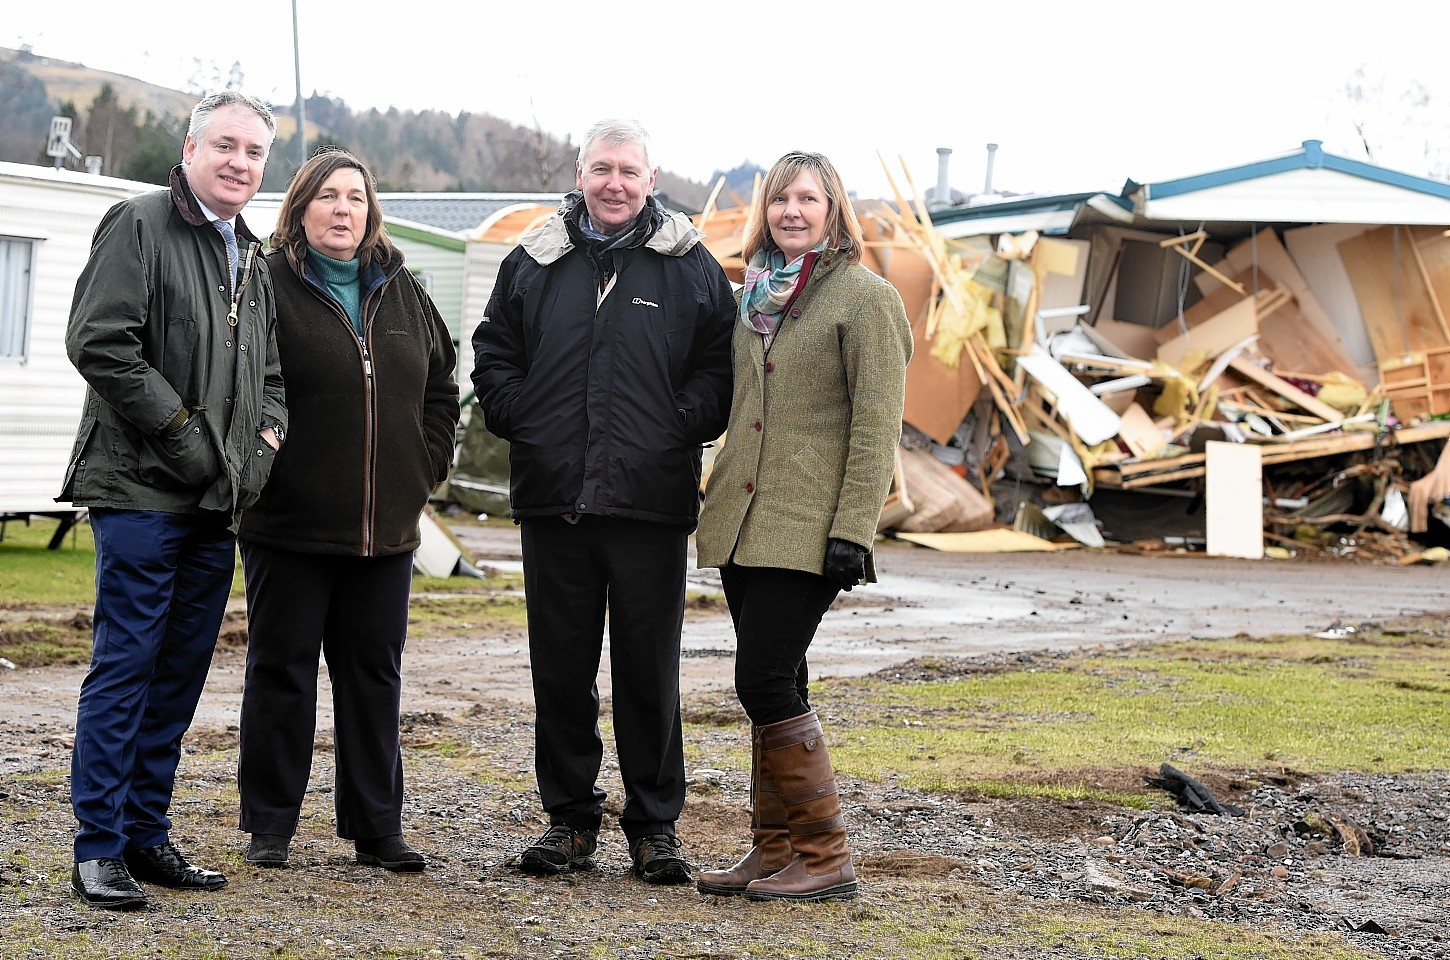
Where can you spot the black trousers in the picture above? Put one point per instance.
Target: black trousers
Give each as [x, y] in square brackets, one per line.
[776, 614]
[573, 574]
[355, 611]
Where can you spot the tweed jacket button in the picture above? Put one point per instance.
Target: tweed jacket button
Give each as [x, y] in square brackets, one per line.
[750, 488]
[795, 313]
[757, 426]
[769, 367]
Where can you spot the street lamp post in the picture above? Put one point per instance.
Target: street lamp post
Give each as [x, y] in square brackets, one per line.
[301, 104]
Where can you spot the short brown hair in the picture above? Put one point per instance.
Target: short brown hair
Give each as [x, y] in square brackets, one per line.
[843, 230]
[291, 236]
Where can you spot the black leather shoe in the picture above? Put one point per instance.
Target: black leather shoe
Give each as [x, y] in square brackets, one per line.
[106, 883]
[390, 853]
[268, 850]
[165, 866]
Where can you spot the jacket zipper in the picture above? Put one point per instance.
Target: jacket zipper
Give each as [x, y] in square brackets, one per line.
[244, 276]
[370, 447]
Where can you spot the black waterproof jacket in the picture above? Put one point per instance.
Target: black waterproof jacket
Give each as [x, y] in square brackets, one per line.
[606, 401]
[372, 419]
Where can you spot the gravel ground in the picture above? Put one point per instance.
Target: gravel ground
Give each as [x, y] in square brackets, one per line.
[1277, 867]
[1288, 865]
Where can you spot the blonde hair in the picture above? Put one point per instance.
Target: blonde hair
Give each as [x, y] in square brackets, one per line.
[843, 230]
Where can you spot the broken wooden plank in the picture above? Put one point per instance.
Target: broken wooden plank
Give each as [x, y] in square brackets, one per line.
[1190, 465]
[1267, 253]
[1189, 246]
[1140, 433]
[1283, 388]
[985, 541]
[1396, 303]
[1213, 336]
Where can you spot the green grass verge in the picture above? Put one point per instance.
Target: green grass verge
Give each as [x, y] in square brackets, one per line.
[32, 575]
[1374, 702]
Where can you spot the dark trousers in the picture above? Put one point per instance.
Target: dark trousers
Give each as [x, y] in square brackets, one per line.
[162, 581]
[776, 614]
[573, 572]
[354, 610]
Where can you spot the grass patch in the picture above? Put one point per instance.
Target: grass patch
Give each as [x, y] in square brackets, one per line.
[464, 612]
[1121, 935]
[32, 575]
[36, 642]
[1374, 702]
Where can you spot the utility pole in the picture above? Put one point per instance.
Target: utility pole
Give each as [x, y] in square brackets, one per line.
[301, 104]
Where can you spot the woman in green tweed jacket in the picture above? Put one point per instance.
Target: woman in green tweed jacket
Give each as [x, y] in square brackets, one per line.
[794, 497]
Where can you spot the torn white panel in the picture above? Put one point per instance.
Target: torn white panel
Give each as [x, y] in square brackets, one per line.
[1070, 472]
[1078, 520]
[1234, 497]
[1395, 513]
[1091, 419]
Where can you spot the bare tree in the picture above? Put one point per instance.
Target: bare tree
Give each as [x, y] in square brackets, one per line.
[1390, 115]
[548, 161]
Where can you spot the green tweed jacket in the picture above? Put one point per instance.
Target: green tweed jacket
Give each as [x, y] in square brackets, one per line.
[814, 424]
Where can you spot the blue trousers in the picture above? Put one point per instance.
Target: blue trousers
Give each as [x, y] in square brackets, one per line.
[162, 581]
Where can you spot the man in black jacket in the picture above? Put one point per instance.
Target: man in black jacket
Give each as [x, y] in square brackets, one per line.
[604, 361]
[173, 327]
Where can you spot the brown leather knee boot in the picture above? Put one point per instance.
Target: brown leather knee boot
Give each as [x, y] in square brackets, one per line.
[795, 755]
[771, 850]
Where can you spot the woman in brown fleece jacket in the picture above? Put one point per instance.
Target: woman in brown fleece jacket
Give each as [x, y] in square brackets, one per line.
[328, 550]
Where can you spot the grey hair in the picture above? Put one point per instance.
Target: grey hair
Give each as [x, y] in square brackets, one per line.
[201, 114]
[614, 133]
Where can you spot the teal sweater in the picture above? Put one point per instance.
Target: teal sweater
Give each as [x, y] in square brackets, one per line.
[340, 277]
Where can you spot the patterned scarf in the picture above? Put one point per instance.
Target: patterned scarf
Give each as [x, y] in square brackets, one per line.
[770, 283]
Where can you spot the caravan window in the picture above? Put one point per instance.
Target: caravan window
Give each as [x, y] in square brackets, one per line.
[17, 266]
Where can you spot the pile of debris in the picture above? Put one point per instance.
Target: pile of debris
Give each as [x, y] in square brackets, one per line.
[1029, 397]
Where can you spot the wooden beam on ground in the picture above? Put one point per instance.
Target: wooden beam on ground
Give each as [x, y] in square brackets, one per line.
[1190, 465]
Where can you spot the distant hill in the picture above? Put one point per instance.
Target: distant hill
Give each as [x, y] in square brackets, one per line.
[137, 127]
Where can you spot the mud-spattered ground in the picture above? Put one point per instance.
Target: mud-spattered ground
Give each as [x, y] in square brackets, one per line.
[469, 690]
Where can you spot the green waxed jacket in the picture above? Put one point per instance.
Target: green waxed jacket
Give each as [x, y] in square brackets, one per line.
[150, 331]
[814, 424]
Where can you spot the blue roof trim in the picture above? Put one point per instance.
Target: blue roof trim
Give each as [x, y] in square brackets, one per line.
[1048, 204]
[1310, 157]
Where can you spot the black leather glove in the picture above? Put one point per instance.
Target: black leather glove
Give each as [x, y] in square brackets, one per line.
[845, 564]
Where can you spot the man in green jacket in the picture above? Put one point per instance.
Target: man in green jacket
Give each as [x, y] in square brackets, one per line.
[173, 327]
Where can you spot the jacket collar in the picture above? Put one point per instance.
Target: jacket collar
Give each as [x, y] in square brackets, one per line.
[673, 235]
[190, 210]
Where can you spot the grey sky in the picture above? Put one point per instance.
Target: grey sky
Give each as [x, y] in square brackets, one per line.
[1079, 96]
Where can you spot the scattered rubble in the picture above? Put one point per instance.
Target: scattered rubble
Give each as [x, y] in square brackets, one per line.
[1203, 365]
